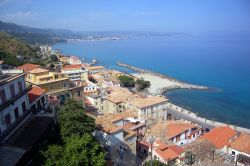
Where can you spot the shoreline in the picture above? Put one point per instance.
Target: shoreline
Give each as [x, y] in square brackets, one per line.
[191, 116]
[161, 83]
[185, 114]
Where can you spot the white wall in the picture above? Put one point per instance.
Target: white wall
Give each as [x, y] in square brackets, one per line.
[230, 150]
[16, 104]
[10, 110]
[6, 87]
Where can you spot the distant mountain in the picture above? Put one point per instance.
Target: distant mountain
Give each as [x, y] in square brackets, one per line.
[51, 36]
[35, 35]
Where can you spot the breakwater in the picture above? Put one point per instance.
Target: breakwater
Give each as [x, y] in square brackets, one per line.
[160, 82]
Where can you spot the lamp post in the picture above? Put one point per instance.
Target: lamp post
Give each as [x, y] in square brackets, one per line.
[151, 141]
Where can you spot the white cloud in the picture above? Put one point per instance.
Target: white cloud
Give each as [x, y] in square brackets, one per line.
[146, 13]
[17, 16]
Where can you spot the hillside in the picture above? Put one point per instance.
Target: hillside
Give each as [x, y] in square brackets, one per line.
[35, 35]
[10, 47]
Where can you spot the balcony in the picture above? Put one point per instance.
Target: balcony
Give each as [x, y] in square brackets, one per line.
[7, 103]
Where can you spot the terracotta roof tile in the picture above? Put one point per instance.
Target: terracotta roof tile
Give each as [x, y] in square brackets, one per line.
[242, 143]
[168, 152]
[106, 122]
[73, 66]
[220, 136]
[38, 70]
[142, 102]
[174, 129]
[35, 93]
[95, 67]
[28, 67]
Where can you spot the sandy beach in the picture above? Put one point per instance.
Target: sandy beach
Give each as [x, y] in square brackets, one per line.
[160, 84]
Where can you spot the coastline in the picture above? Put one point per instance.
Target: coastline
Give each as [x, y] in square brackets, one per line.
[161, 83]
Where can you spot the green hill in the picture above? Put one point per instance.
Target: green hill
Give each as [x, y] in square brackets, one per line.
[35, 35]
[10, 47]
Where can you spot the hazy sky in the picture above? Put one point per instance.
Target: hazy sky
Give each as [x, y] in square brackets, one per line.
[192, 16]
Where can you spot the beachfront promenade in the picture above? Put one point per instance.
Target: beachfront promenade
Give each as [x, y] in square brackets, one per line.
[161, 83]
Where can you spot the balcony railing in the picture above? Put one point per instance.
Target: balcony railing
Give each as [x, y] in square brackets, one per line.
[7, 103]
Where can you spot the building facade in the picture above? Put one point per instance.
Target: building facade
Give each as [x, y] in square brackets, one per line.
[14, 102]
[55, 84]
[75, 73]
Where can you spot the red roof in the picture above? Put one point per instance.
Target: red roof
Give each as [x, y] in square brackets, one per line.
[75, 66]
[169, 153]
[242, 143]
[220, 136]
[35, 93]
[28, 67]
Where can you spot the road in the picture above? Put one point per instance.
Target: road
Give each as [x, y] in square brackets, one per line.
[178, 115]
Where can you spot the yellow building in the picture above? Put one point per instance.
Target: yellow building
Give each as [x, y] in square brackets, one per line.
[54, 83]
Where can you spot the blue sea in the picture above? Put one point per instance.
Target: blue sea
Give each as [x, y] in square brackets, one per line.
[221, 64]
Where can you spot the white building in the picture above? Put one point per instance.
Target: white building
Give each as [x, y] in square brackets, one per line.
[95, 69]
[148, 106]
[14, 102]
[74, 60]
[240, 147]
[110, 83]
[76, 72]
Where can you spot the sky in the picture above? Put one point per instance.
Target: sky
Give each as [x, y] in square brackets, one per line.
[190, 16]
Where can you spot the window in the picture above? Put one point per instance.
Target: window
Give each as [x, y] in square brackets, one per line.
[79, 93]
[65, 85]
[16, 112]
[20, 86]
[2, 95]
[193, 135]
[56, 76]
[24, 107]
[48, 79]
[7, 119]
[12, 90]
[51, 87]
[233, 153]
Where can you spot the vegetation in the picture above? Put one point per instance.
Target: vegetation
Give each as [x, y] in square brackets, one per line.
[34, 35]
[10, 47]
[142, 84]
[126, 81]
[78, 146]
[73, 120]
[76, 151]
[189, 158]
[54, 58]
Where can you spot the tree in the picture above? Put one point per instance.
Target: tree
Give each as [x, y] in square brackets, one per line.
[79, 147]
[142, 84]
[126, 81]
[54, 58]
[76, 151]
[189, 158]
[53, 155]
[73, 120]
